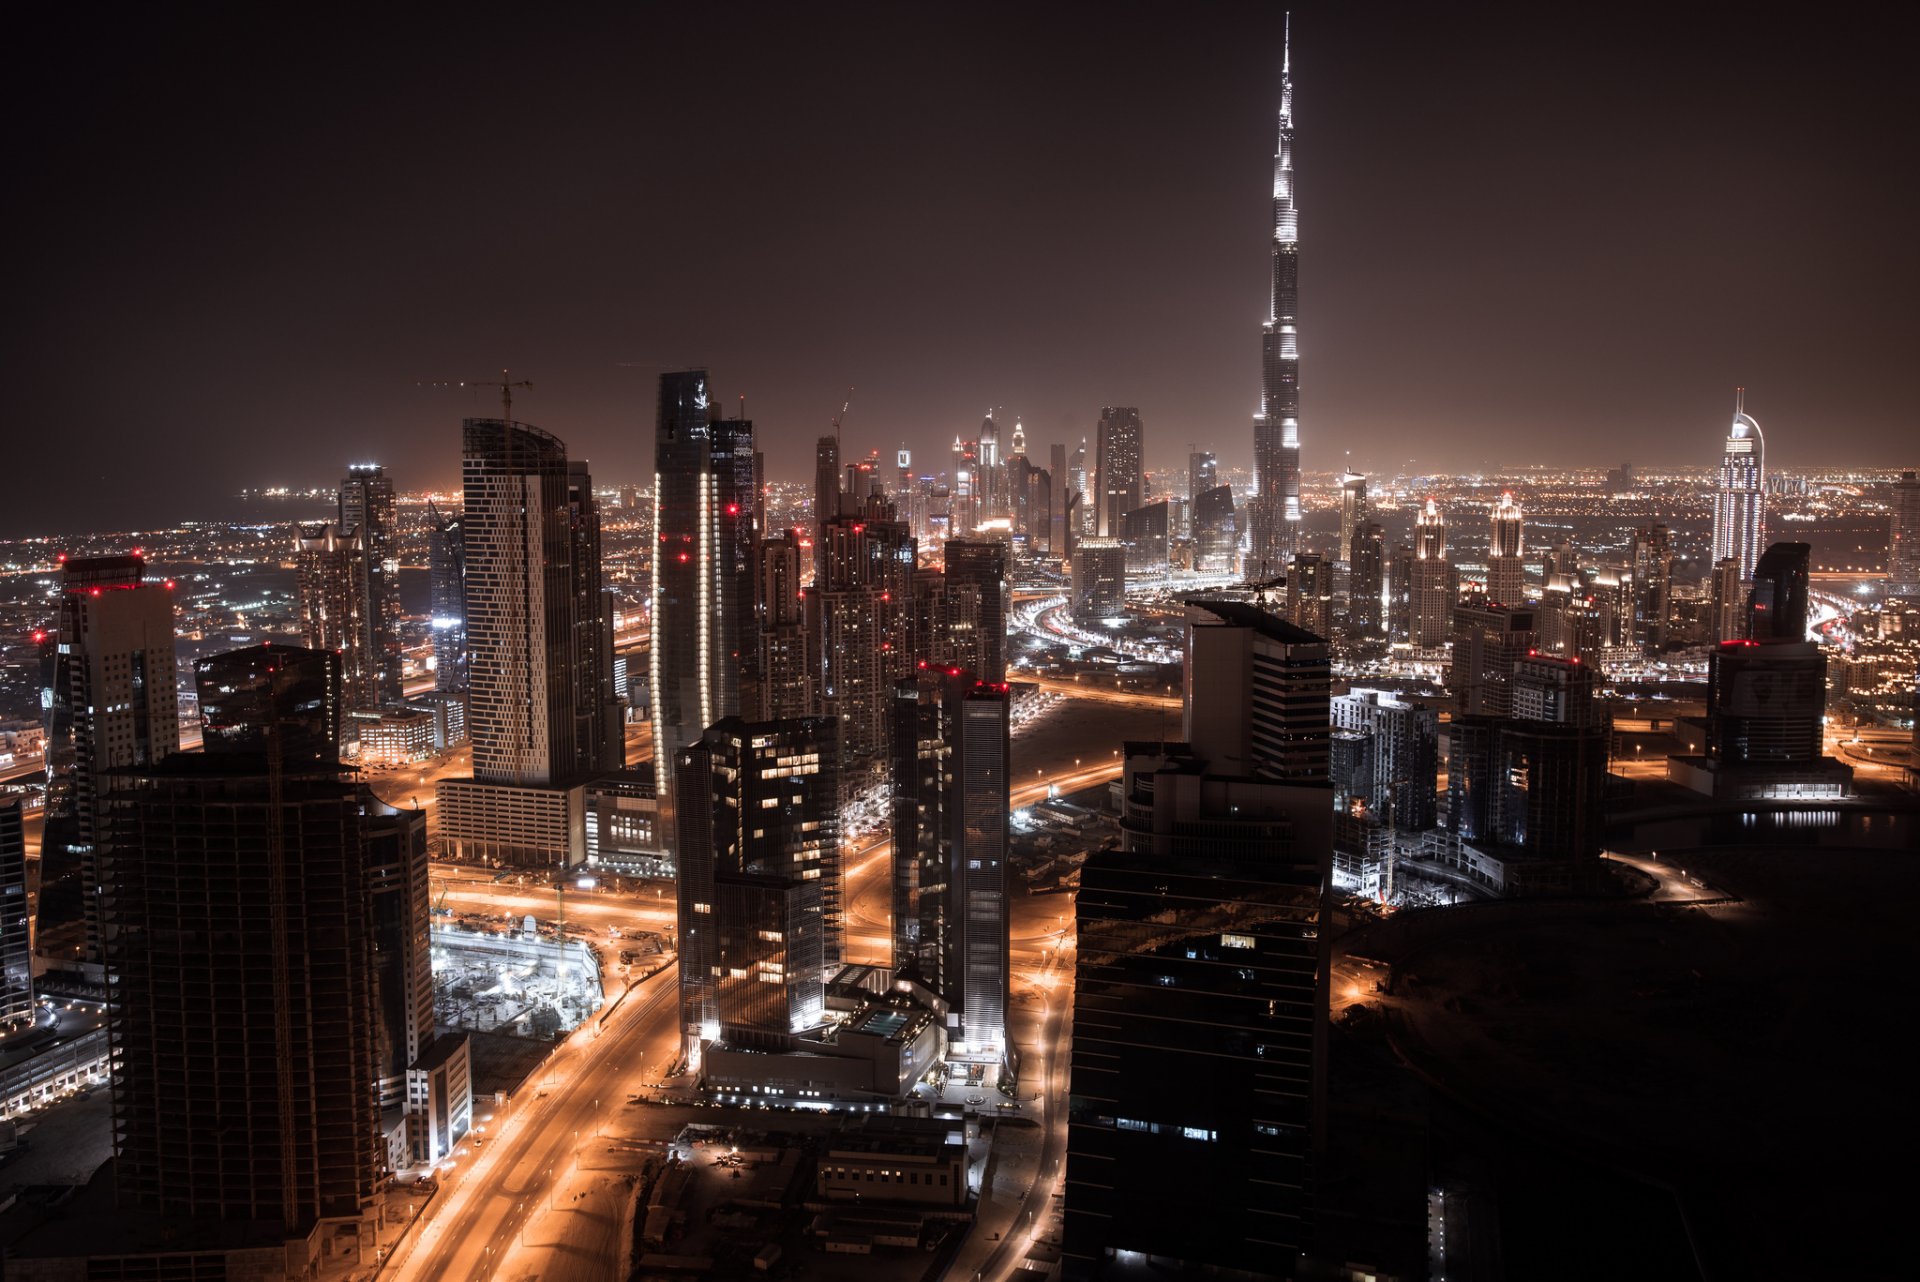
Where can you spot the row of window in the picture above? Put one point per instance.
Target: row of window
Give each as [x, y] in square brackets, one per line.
[856, 1175]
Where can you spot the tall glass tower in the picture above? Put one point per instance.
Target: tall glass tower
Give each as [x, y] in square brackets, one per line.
[1276, 428]
[1739, 506]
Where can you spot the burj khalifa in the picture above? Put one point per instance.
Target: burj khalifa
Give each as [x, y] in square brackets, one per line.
[1276, 428]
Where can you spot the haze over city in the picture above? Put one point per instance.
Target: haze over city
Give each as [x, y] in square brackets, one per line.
[1576, 231]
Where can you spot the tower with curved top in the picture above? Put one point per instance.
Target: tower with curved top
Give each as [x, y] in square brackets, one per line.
[1739, 505]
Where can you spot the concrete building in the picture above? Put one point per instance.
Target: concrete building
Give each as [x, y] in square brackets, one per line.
[332, 577]
[1310, 594]
[977, 569]
[447, 568]
[1366, 585]
[1396, 757]
[367, 508]
[16, 933]
[1903, 535]
[1506, 572]
[1121, 446]
[1257, 690]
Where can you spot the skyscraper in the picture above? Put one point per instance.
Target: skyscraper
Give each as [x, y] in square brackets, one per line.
[1353, 510]
[1216, 530]
[242, 964]
[367, 507]
[758, 847]
[826, 488]
[115, 704]
[1257, 690]
[702, 591]
[950, 870]
[1399, 759]
[1434, 587]
[1903, 535]
[539, 650]
[1310, 594]
[859, 630]
[1203, 474]
[1653, 586]
[1120, 446]
[16, 935]
[1276, 429]
[1506, 573]
[1727, 601]
[1200, 989]
[1488, 640]
[1739, 505]
[330, 563]
[977, 568]
[447, 567]
[1366, 583]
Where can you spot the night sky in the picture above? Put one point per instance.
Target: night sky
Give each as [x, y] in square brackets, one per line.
[1529, 234]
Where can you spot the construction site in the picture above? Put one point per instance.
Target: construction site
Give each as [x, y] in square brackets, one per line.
[522, 983]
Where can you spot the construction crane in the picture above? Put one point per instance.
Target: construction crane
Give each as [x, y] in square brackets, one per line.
[838, 419]
[505, 383]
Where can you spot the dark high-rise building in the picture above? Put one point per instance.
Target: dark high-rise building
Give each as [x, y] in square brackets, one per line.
[784, 670]
[16, 934]
[1216, 530]
[1653, 586]
[977, 568]
[1727, 598]
[367, 507]
[599, 725]
[115, 703]
[1739, 505]
[1200, 1001]
[1777, 606]
[1098, 587]
[331, 564]
[1399, 756]
[1119, 450]
[1366, 570]
[859, 629]
[1310, 594]
[702, 590]
[758, 849]
[447, 566]
[1903, 534]
[950, 872]
[240, 951]
[826, 494]
[539, 651]
[1276, 429]
[290, 690]
[1487, 641]
[1148, 534]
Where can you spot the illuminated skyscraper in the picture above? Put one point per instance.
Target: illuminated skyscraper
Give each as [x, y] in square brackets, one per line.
[1506, 573]
[1434, 587]
[1653, 586]
[702, 593]
[16, 947]
[826, 492]
[1276, 428]
[1366, 583]
[758, 845]
[1353, 511]
[330, 563]
[1739, 506]
[367, 506]
[1903, 535]
[1118, 461]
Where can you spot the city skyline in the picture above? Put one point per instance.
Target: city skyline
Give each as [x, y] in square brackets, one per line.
[1424, 259]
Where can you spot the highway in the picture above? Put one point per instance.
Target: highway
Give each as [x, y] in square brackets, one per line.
[521, 1183]
[491, 1218]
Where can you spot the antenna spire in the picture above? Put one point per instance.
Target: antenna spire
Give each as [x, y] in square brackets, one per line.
[1286, 44]
[1739, 400]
